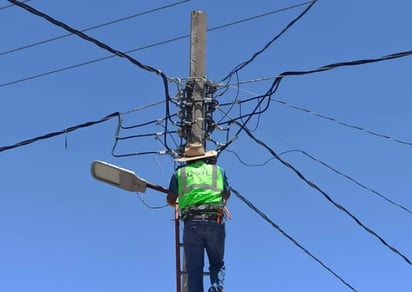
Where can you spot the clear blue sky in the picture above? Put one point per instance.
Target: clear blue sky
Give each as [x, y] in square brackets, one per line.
[61, 230]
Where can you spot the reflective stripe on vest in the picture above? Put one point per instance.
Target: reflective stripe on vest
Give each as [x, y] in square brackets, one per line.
[199, 183]
[187, 188]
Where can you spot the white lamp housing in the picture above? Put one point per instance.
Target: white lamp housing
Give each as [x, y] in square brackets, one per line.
[118, 177]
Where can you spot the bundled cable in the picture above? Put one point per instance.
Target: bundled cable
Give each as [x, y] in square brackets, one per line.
[263, 215]
[327, 197]
[63, 132]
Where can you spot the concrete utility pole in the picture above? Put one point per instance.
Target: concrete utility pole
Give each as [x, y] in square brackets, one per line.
[194, 113]
[197, 75]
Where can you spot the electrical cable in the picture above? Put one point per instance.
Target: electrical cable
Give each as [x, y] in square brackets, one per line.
[63, 132]
[101, 45]
[87, 38]
[148, 206]
[83, 125]
[250, 164]
[90, 28]
[290, 238]
[11, 5]
[327, 197]
[144, 107]
[267, 45]
[282, 102]
[275, 85]
[374, 133]
[260, 16]
[89, 62]
[137, 49]
[349, 178]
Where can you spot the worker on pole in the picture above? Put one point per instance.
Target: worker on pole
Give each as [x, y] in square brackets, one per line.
[200, 187]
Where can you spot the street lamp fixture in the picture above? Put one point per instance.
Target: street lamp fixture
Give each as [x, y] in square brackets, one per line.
[118, 177]
[122, 178]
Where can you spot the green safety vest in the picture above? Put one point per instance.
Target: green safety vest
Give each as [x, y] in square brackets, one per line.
[199, 183]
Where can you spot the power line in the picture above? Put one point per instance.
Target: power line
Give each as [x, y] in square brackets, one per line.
[88, 62]
[374, 133]
[267, 45]
[276, 83]
[349, 178]
[324, 194]
[83, 125]
[369, 189]
[290, 238]
[91, 28]
[156, 44]
[87, 37]
[259, 16]
[11, 5]
[148, 206]
[63, 132]
[105, 47]
[249, 164]
[324, 164]
[283, 102]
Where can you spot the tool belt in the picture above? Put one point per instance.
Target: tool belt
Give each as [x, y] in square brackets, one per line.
[202, 212]
[205, 218]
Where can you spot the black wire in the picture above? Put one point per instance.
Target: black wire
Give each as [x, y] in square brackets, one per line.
[282, 102]
[135, 154]
[141, 14]
[99, 44]
[90, 28]
[87, 38]
[349, 178]
[144, 135]
[10, 5]
[290, 238]
[141, 124]
[249, 164]
[148, 206]
[343, 123]
[138, 49]
[88, 62]
[348, 64]
[267, 45]
[275, 85]
[63, 132]
[317, 188]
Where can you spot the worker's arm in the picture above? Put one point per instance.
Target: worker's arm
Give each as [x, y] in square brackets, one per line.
[226, 195]
[172, 193]
[171, 198]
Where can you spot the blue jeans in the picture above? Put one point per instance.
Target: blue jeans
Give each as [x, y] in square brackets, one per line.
[199, 236]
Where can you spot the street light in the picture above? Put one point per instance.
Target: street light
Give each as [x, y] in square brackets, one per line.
[118, 177]
[122, 178]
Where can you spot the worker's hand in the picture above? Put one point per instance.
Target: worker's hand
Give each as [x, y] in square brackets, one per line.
[172, 204]
[171, 199]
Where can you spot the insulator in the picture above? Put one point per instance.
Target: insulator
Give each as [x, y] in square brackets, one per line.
[181, 132]
[180, 95]
[210, 124]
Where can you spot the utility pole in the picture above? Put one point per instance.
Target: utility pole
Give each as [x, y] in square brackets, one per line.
[193, 116]
[197, 76]
[196, 107]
